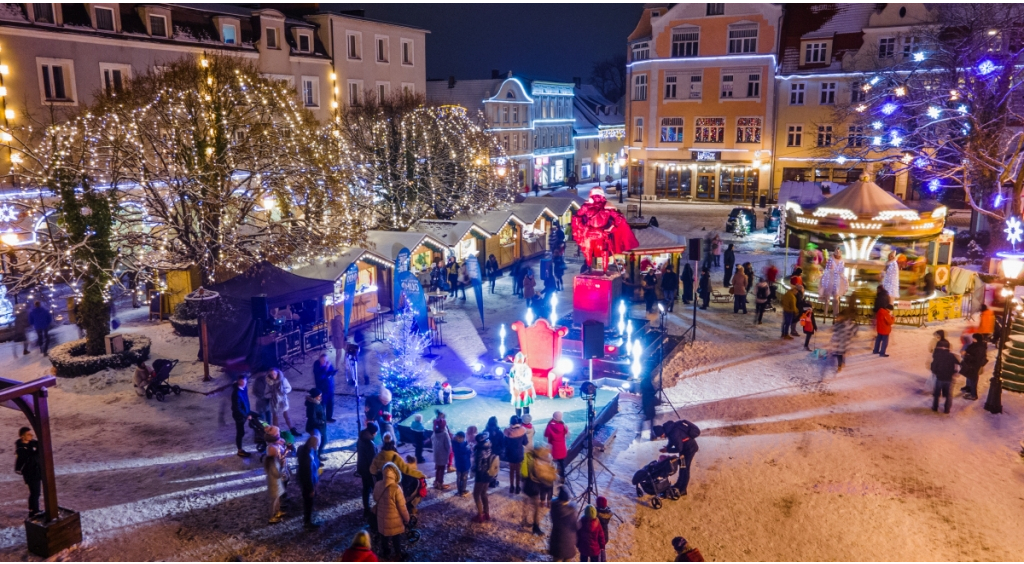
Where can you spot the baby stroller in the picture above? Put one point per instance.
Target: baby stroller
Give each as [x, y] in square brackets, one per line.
[653, 480]
[158, 386]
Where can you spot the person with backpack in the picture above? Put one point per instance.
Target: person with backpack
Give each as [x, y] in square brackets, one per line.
[682, 438]
[809, 325]
[539, 477]
[883, 325]
[761, 295]
[975, 358]
[485, 468]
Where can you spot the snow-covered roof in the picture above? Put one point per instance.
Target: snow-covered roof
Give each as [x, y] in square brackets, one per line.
[656, 239]
[842, 23]
[532, 209]
[865, 198]
[591, 111]
[334, 267]
[388, 243]
[449, 232]
[494, 220]
[561, 204]
[469, 94]
[806, 193]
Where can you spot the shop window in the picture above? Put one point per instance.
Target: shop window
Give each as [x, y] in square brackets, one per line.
[672, 182]
[737, 184]
[709, 130]
[748, 130]
[672, 130]
[796, 174]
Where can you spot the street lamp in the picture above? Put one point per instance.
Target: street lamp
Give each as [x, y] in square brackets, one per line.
[622, 177]
[1012, 264]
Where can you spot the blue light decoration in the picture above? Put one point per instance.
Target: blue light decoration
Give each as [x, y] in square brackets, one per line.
[622, 317]
[998, 202]
[986, 67]
[889, 108]
[874, 80]
[896, 139]
[933, 112]
[1014, 231]
[501, 347]
[962, 108]
[876, 141]
[918, 57]
[840, 160]
[934, 185]
[877, 125]
[921, 162]
[554, 309]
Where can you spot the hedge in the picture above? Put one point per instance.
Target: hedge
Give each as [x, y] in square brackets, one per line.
[185, 327]
[69, 359]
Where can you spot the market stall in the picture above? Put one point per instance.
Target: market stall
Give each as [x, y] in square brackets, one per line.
[538, 220]
[505, 234]
[658, 248]
[462, 237]
[372, 289]
[424, 249]
[564, 207]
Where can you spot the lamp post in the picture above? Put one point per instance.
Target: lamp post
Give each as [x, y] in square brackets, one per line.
[1012, 264]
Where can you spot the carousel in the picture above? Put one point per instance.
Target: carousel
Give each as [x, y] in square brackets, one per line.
[864, 238]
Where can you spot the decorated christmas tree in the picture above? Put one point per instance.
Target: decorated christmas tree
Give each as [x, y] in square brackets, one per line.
[742, 225]
[405, 372]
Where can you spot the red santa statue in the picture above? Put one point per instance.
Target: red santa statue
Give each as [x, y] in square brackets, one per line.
[601, 230]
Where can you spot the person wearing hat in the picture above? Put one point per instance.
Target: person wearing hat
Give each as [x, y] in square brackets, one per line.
[240, 411]
[557, 434]
[275, 468]
[539, 477]
[590, 539]
[685, 552]
[359, 550]
[604, 516]
[562, 543]
[485, 469]
[316, 417]
[27, 463]
[366, 452]
[309, 476]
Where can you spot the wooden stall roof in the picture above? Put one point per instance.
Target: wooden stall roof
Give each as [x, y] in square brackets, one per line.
[334, 267]
[494, 220]
[656, 240]
[533, 209]
[562, 203]
[449, 232]
[388, 243]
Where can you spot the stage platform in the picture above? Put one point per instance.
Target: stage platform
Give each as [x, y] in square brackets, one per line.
[493, 399]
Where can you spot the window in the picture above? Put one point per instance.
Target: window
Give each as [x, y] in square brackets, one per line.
[406, 52]
[754, 85]
[515, 143]
[114, 77]
[526, 143]
[383, 90]
[886, 47]
[696, 86]
[355, 89]
[311, 91]
[856, 138]
[229, 33]
[44, 13]
[104, 18]
[504, 113]
[157, 26]
[824, 135]
[640, 87]
[796, 93]
[409, 88]
[305, 43]
[857, 92]
[670, 87]
[726, 86]
[815, 53]
[672, 130]
[638, 129]
[353, 45]
[710, 130]
[910, 46]
[382, 49]
[716, 9]
[685, 42]
[515, 114]
[641, 51]
[272, 38]
[743, 39]
[748, 130]
[57, 80]
[655, 13]
[504, 142]
[795, 136]
[828, 93]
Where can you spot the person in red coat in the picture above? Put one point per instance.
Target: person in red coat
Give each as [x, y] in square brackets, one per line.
[883, 325]
[557, 434]
[359, 550]
[590, 539]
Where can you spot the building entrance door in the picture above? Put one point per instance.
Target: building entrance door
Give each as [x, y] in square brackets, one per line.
[706, 186]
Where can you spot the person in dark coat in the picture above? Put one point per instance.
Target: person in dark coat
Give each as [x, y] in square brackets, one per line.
[944, 366]
[682, 439]
[669, 287]
[704, 288]
[453, 280]
[316, 418]
[41, 319]
[309, 476]
[559, 268]
[517, 273]
[437, 277]
[975, 358]
[240, 411]
[28, 464]
[515, 443]
[685, 552]
[366, 451]
[491, 270]
[562, 547]
[323, 379]
[686, 277]
[650, 284]
[748, 271]
[730, 263]
[496, 436]
[463, 454]
[21, 325]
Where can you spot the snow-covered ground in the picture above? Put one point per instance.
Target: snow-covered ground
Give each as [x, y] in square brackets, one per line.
[796, 462]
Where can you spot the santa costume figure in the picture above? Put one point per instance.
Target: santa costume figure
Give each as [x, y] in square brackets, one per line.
[521, 384]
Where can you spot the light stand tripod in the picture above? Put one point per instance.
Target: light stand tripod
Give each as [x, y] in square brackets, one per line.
[589, 392]
[351, 355]
[692, 331]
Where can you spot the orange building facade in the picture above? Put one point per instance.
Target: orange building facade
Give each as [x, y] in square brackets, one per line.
[700, 100]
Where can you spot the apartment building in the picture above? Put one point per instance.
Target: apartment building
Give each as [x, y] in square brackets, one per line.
[532, 120]
[60, 56]
[372, 58]
[828, 54]
[700, 99]
[599, 135]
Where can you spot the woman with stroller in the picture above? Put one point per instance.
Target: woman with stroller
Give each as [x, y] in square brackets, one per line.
[276, 394]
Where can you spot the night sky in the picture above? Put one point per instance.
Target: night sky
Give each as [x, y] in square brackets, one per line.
[555, 41]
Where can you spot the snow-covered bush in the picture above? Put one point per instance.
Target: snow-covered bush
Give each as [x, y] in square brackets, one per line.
[69, 359]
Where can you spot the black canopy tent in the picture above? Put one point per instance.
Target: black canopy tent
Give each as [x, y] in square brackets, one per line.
[235, 337]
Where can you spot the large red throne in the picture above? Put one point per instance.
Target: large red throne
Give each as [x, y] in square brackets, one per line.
[542, 345]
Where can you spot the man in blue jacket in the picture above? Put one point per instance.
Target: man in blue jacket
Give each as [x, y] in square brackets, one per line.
[41, 319]
[309, 476]
[323, 379]
[240, 411]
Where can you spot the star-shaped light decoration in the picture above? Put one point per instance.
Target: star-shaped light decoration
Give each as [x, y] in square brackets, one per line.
[889, 108]
[8, 213]
[934, 185]
[918, 57]
[986, 67]
[1013, 231]
[933, 112]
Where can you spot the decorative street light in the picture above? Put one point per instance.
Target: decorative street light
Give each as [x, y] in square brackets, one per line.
[622, 178]
[1012, 264]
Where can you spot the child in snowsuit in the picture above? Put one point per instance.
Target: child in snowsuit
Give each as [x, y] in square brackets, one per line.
[809, 324]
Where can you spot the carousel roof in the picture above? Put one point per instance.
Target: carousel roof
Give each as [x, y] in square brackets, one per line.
[865, 198]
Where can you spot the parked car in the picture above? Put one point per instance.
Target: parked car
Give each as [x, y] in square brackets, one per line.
[772, 218]
[734, 215]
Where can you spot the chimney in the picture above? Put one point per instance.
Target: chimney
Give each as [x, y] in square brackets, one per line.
[577, 81]
[451, 81]
[495, 73]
